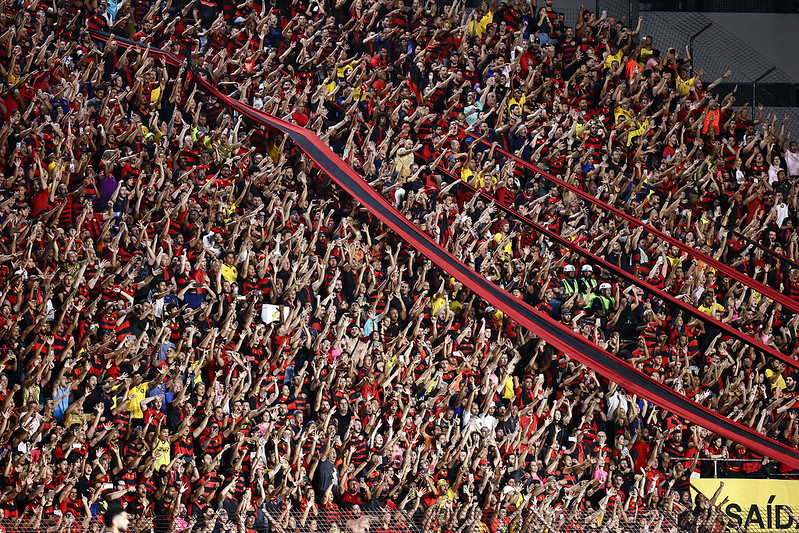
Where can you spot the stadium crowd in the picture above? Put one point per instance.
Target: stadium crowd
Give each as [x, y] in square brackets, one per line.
[198, 324]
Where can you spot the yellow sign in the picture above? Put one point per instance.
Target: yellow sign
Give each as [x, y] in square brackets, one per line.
[762, 503]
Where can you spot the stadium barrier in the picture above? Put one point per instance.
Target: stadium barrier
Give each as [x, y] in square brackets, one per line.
[434, 520]
[762, 505]
[749, 517]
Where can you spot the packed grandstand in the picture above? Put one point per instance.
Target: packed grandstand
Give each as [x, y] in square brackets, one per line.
[366, 266]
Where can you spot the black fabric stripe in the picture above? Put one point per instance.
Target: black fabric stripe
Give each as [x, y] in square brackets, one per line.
[555, 334]
[691, 310]
[726, 269]
[576, 346]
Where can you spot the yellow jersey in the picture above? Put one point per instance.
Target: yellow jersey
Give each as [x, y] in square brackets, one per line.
[520, 102]
[230, 273]
[684, 86]
[165, 448]
[482, 25]
[136, 395]
[508, 248]
[613, 57]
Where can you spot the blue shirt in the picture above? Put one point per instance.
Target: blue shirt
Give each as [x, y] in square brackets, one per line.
[61, 407]
[161, 390]
[370, 325]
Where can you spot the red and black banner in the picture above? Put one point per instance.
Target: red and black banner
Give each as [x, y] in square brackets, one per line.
[631, 278]
[727, 270]
[559, 336]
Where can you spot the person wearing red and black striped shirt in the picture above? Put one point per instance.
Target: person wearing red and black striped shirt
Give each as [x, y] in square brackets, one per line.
[357, 442]
[567, 46]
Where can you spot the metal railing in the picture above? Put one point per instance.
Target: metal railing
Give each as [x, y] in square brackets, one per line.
[553, 519]
[726, 467]
[696, 35]
[725, 6]
[453, 516]
[292, 520]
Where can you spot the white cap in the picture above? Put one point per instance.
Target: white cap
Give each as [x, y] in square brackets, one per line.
[605, 286]
[569, 268]
[586, 268]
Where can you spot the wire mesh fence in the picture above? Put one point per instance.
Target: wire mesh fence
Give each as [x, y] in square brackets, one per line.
[725, 6]
[446, 515]
[715, 50]
[626, 10]
[439, 517]
[290, 520]
[353, 520]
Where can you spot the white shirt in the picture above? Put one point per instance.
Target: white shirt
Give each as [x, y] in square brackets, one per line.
[617, 400]
[30, 423]
[209, 243]
[485, 421]
[792, 162]
[772, 174]
[782, 213]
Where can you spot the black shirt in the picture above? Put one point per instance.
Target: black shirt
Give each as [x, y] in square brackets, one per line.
[208, 12]
[324, 476]
[343, 422]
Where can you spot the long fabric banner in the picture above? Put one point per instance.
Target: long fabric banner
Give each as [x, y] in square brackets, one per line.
[635, 280]
[560, 337]
[718, 265]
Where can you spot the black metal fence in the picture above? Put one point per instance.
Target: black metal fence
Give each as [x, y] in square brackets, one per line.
[724, 6]
[626, 10]
[715, 50]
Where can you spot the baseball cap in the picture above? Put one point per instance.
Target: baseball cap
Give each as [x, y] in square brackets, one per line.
[605, 286]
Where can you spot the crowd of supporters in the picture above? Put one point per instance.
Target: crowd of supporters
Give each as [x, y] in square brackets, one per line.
[198, 324]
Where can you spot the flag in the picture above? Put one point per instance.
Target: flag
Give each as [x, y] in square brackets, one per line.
[274, 313]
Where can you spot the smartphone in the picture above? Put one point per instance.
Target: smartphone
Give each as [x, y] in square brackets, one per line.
[604, 12]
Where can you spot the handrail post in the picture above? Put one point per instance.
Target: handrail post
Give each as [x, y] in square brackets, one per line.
[754, 88]
[693, 37]
[630, 13]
